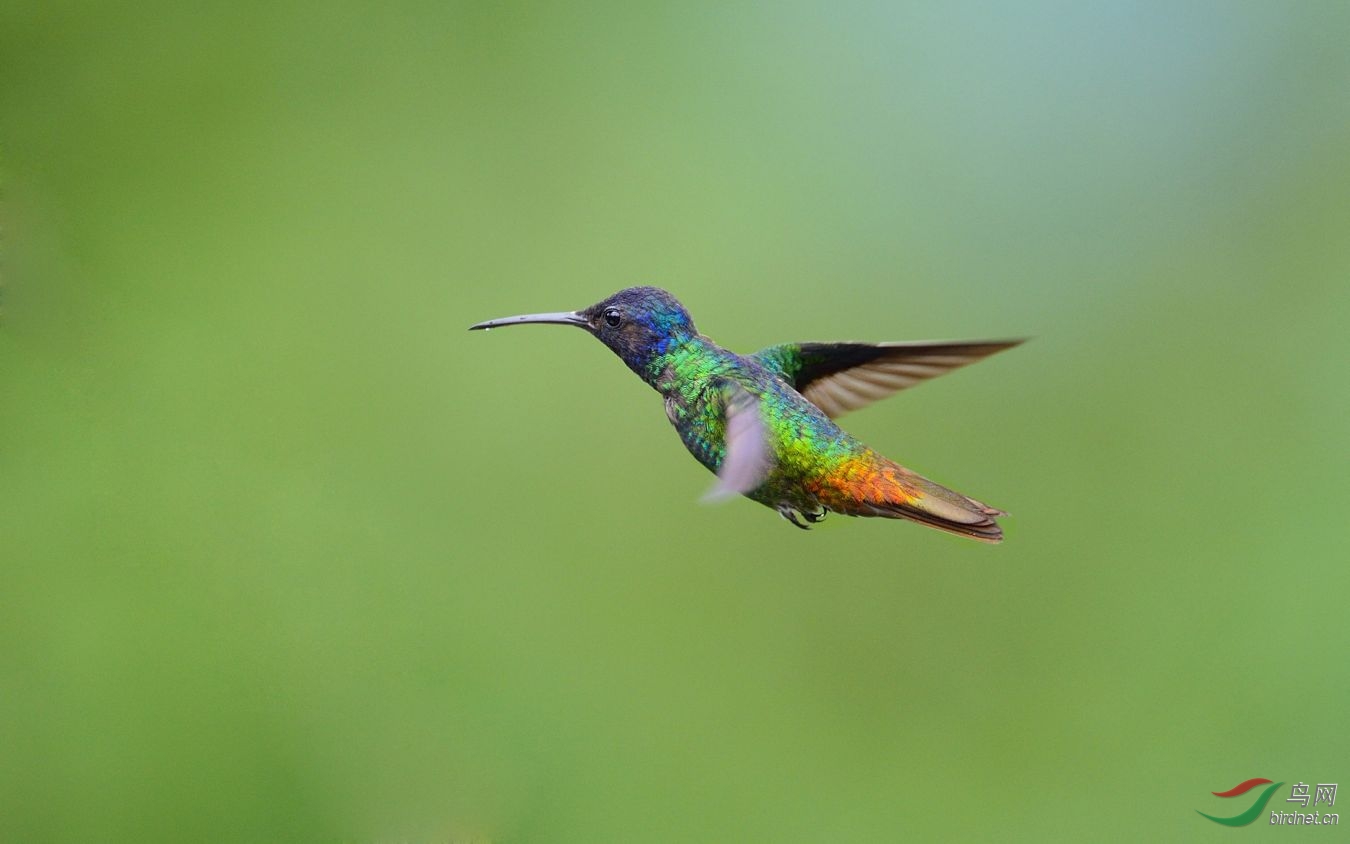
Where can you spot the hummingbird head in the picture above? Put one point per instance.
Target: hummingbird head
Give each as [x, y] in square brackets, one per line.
[637, 323]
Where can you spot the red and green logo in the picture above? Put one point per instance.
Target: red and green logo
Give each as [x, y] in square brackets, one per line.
[1256, 808]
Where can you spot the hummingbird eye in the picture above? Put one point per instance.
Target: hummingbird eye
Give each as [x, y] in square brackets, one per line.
[612, 317]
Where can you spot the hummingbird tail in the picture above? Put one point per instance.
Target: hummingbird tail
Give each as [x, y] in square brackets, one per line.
[894, 492]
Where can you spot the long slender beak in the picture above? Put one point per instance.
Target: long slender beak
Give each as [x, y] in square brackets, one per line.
[560, 318]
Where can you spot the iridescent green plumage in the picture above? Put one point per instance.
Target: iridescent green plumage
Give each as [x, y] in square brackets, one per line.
[763, 423]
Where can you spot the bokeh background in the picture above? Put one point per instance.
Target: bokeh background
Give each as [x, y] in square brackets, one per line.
[290, 555]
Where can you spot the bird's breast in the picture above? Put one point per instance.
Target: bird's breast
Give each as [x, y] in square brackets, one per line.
[673, 410]
[696, 415]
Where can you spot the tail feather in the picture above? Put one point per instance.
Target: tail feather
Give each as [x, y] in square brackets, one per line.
[984, 530]
[895, 492]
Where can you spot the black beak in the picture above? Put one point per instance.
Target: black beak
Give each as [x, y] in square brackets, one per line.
[560, 318]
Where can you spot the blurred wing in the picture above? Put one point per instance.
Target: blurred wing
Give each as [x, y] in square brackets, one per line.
[746, 461]
[840, 377]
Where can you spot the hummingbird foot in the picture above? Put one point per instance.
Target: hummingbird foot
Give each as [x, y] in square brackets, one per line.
[792, 514]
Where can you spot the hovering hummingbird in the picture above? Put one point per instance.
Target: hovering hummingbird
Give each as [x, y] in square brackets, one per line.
[764, 423]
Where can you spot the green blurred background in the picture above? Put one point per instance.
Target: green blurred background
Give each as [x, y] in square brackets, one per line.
[290, 555]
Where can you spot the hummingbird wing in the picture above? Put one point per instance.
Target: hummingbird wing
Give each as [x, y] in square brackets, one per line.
[747, 459]
[840, 377]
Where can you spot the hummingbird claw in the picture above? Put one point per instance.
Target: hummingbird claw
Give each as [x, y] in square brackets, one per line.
[817, 517]
[791, 515]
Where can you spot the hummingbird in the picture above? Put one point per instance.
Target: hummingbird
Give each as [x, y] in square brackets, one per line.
[765, 423]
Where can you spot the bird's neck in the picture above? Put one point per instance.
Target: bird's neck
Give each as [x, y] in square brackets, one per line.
[679, 360]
